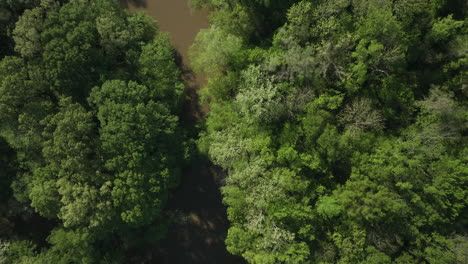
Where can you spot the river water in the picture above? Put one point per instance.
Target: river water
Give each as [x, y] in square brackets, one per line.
[175, 17]
[200, 237]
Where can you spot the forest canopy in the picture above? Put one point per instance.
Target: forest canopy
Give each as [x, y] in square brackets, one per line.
[90, 140]
[343, 127]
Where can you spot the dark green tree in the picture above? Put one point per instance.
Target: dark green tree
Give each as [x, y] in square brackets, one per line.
[90, 108]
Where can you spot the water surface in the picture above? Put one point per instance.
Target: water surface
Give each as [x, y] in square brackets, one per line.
[175, 17]
[200, 238]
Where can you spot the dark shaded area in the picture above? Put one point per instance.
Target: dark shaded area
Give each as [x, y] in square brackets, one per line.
[35, 228]
[8, 171]
[199, 236]
[192, 111]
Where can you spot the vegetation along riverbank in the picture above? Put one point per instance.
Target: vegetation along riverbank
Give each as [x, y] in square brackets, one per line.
[233, 131]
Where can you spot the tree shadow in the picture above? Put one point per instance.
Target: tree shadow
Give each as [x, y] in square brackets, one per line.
[192, 110]
[199, 239]
[135, 3]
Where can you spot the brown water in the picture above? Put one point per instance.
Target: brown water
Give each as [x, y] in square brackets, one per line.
[175, 17]
[200, 238]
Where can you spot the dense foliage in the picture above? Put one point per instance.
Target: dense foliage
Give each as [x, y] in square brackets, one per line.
[343, 126]
[10, 10]
[90, 138]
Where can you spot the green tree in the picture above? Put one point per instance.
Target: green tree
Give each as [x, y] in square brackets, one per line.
[343, 134]
[214, 50]
[158, 71]
[136, 134]
[95, 156]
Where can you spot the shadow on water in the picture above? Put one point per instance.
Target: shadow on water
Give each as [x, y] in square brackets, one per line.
[192, 111]
[199, 229]
[135, 3]
[199, 238]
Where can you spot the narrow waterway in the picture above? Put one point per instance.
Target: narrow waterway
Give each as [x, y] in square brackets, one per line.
[198, 236]
[175, 17]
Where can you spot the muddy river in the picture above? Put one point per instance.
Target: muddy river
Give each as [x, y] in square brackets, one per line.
[199, 237]
[175, 17]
